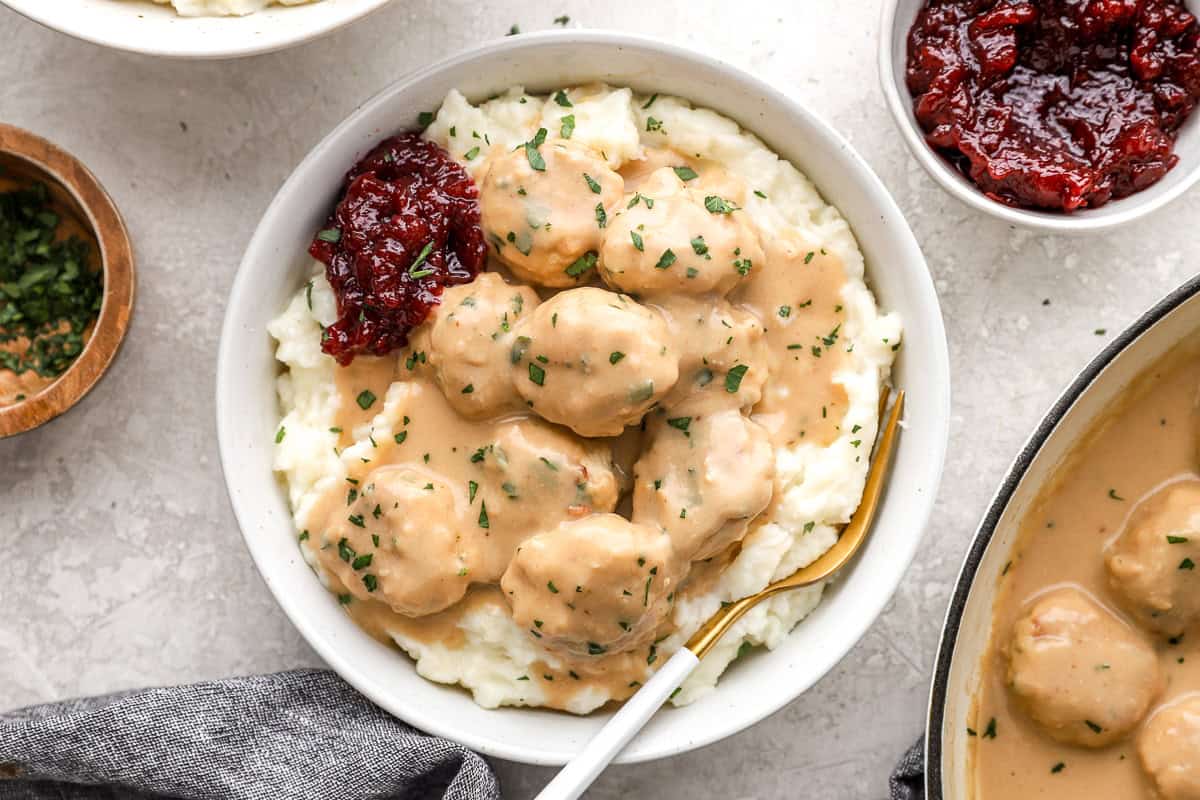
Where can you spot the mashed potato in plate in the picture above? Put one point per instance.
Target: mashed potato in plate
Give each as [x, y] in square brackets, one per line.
[660, 398]
[225, 8]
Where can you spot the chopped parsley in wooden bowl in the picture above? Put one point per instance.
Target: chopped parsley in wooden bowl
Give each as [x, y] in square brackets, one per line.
[66, 281]
[50, 289]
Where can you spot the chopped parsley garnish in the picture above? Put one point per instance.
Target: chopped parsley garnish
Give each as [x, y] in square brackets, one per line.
[400, 437]
[642, 392]
[650, 102]
[596, 649]
[282, 432]
[615, 356]
[733, 378]
[537, 374]
[472, 488]
[425, 119]
[699, 246]
[1093, 726]
[331, 235]
[585, 263]
[567, 126]
[1177, 539]
[363, 561]
[680, 423]
[1187, 563]
[483, 517]
[718, 205]
[413, 272]
[1112, 493]
[637, 241]
[601, 216]
[533, 154]
[561, 98]
[366, 399]
[371, 582]
[591, 182]
[470, 154]
[990, 731]
[666, 259]
[550, 585]
[685, 173]
[1057, 768]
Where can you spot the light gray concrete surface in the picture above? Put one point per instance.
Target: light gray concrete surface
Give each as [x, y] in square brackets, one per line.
[120, 561]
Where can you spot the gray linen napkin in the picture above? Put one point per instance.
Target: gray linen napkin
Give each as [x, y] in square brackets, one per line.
[908, 778]
[303, 734]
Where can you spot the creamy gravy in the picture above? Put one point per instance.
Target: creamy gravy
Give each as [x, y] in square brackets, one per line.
[1106, 679]
[723, 378]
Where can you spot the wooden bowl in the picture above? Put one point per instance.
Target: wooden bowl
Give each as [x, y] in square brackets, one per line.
[74, 191]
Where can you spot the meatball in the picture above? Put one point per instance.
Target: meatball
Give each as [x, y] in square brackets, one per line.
[397, 539]
[593, 586]
[469, 341]
[532, 476]
[1152, 565]
[593, 360]
[674, 238]
[1169, 749]
[723, 354]
[1081, 673]
[547, 224]
[702, 479]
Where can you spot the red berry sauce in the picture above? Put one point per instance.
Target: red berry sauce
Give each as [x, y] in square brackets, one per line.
[1055, 104]
[406, 227]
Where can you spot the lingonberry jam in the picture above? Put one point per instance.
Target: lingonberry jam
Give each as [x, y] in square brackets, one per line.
[1055, 104]
[406, 227]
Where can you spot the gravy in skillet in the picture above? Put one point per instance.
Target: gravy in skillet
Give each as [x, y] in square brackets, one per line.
[1091, 684]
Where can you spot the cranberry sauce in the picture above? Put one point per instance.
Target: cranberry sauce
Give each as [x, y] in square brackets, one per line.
[1056, 104]
[407, 226]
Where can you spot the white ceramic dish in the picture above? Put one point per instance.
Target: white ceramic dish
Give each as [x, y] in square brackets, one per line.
[141, 26]
[275, 265]
[968, 625]
[898, 17]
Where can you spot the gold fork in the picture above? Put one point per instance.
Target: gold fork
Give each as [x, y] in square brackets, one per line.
[583, 769]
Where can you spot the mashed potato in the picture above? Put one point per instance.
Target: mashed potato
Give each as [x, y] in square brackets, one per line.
[818, 485]
[224, 8]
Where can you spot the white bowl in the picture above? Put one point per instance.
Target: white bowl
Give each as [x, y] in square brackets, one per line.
[898, 17]
[141, 26]
[275, 266]
[958, 671]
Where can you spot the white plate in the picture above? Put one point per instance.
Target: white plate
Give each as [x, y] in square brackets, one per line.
[275, 266]
[898, 17]
[141, 26]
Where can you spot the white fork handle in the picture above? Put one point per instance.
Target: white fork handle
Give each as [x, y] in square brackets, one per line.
[585, 767]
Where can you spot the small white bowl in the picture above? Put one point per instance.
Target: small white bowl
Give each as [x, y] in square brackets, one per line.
[141, 26]
[898, 17]
[276, 265]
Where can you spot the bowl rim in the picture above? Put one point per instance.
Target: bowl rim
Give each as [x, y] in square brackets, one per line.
[982, 538]
[899, 104]
[884, 205]
[117, 267]
[44, 13]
